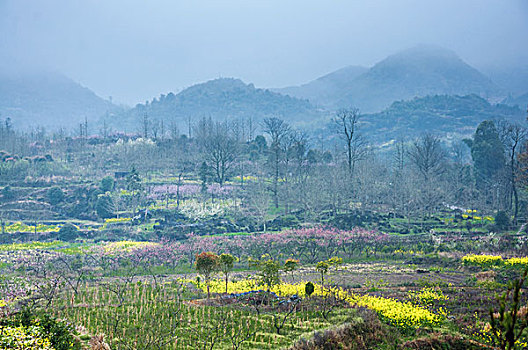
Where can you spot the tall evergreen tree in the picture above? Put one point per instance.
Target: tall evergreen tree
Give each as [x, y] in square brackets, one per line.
[487, 152]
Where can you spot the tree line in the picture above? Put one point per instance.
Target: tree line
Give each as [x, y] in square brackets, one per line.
[276, 164]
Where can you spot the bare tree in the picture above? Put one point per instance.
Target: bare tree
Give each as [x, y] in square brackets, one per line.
[242, 331]
[155, 128]
[278, 130]
[283, 309]
[346, 121]
[145, 125]
[256, 201]
[427, 155]
[174, 131]
[293, 161]
[512, 136]
[219, 145]
[399, 156]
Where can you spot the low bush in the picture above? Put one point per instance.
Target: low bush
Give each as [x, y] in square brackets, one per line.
[55, 195]
[50, 330]
[68, 232]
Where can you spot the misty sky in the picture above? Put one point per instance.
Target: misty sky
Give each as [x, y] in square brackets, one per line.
[134, 50]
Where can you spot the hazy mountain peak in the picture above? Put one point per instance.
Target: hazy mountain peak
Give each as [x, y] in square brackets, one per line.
[422, 59]
[417, 71]
[220, 99]
[222, 83]
[45, 98]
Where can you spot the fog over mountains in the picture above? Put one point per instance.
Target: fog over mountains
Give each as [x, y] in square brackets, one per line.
[324, 90]
[223, 98]
[419, 71]
[52, 100]
[48, 99]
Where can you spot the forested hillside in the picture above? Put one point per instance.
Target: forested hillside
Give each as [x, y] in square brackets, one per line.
[224, 98]
[383, 205]
[446, 116]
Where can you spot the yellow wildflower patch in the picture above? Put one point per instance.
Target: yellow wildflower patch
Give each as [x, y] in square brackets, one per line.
[517, 261]
[26, 338]
[401, 314]
[482, 260]
[126, 246]
[115, 220]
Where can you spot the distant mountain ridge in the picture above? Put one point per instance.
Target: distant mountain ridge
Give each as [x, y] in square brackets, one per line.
[48, 99]
[223, 98]
[416, 72]
[423, 82]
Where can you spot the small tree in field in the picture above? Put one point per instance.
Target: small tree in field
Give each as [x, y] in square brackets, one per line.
[324, 266]
[227, 262]
[268, 271]
[291, 265]
[207, 263]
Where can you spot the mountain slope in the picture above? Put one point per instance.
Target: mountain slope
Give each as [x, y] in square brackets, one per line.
[323, 89]
[224, 98]
[447, 116]
[419, 71]
[512, 79]
[47, 99]
[520, 101]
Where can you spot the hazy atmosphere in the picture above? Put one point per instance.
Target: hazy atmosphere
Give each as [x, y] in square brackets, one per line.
[135, 50]
[257, 175]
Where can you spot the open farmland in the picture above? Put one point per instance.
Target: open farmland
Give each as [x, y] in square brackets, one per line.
[418, 289]
[262, 175]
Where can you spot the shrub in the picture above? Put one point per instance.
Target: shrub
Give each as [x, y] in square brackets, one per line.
[104, 207]
[289, 220]
[107, 184]
[55, 195]
[508, 325]
[502, 221]
[7, 193]
[68, 232]
[30, 338]
[51, 330]
[309, 288]
[59, 333]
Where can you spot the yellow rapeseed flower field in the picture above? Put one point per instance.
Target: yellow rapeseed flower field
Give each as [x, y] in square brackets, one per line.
[403, 315]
